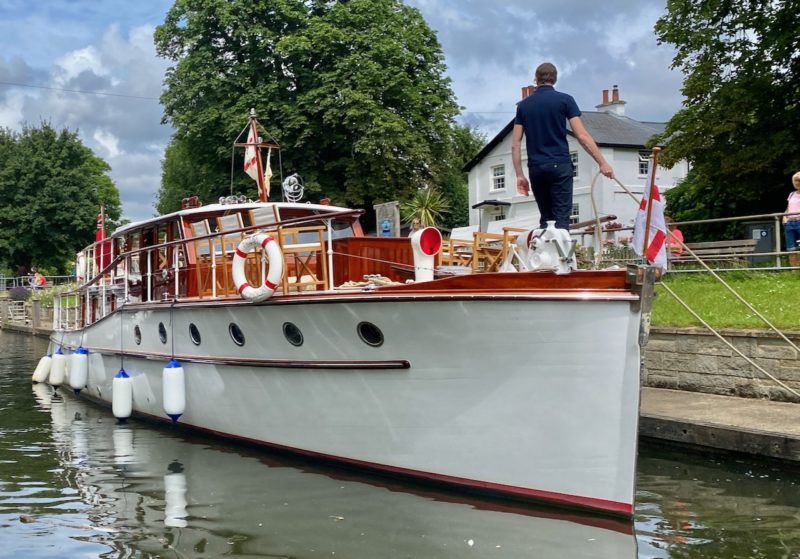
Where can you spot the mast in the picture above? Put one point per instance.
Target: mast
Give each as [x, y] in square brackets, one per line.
[254, 163]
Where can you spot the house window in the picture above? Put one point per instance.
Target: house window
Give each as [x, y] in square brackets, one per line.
[499, 177]
[573, 155]
[499, 217]
[644, 162]
[574, 217]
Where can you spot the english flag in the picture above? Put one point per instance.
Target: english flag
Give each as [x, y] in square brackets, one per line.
[657, 237]
[250, 157]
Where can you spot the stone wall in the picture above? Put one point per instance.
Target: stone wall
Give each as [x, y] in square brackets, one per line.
[694, 359]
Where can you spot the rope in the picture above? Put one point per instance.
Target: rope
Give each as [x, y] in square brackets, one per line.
[715, 276]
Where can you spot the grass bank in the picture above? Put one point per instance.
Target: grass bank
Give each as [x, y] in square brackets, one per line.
[776, 295]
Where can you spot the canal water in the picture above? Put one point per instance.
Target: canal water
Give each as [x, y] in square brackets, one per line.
[74, 483]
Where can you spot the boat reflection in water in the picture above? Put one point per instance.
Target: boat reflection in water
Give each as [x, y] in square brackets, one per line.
[150, 491]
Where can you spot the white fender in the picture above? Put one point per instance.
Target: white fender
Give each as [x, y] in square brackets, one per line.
[79, 369]
[122, 395]
[42, 369]
[426, 243]
[274, 273]
[57, 370]
[175, 500]
[174, 390]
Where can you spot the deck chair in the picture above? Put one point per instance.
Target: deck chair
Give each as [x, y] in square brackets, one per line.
[265, 217]
[304, 258]
[488, 251]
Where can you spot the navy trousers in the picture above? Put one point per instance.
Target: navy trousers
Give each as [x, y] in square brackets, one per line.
[552, 187]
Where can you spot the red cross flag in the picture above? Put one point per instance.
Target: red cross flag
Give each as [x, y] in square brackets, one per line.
[657, 234]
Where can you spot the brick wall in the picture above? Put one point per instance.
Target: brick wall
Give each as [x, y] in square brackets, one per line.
[695, 360]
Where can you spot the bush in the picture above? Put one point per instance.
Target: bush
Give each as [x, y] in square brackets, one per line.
[19, 293]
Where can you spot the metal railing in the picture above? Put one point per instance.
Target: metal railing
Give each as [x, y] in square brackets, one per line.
[617, 249]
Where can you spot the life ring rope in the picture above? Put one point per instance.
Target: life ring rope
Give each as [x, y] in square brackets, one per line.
[274, 273]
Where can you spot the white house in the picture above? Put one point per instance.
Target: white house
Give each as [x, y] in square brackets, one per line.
[492, 188]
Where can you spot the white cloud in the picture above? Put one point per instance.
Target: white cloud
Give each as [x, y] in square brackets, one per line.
[109, 142]
[75, 63]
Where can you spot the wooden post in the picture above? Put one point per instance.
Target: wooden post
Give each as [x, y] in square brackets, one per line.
[36, 313]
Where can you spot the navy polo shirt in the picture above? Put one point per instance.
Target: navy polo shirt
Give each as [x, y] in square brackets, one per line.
[544, 117]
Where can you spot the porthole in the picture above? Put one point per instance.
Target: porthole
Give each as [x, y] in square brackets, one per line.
[162, 332]
[293, 334]
[236, 334]
[194, 333]
[137, 335]
[370, 334]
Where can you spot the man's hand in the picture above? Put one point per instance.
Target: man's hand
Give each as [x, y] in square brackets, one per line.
[607, 171]
[523, 187]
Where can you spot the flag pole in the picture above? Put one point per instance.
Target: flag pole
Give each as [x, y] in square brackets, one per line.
[651, 186]
[263, 193]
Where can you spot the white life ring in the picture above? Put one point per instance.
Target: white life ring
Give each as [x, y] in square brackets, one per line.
[274, 273]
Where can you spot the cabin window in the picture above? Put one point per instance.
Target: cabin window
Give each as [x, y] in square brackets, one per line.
[162, 332]
[644, 162]
[370, 334]
[163, 256]
[293, 334]
[135, 243]
[137, 335]
[499, 177]
[236, 334]
[573, 157]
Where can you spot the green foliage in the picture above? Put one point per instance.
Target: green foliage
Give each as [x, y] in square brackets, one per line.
[183, 175]
[427, 205]
[355, 91]
[54, 186]
[771, 293]
[451, 181]
[739, 127]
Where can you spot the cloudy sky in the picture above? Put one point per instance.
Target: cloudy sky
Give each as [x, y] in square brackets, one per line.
[491, 50]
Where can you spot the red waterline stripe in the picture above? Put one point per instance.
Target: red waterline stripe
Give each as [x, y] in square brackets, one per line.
[615, 507]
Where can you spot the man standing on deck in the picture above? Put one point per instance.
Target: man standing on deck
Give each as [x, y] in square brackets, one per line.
[542, 119]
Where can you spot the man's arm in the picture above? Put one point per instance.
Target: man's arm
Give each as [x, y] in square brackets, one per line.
[590, 146]
[523, 187]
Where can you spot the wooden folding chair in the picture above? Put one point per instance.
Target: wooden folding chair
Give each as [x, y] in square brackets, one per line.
[304, 258]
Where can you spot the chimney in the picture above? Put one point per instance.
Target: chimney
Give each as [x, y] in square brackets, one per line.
[528, 90]
[616, 106]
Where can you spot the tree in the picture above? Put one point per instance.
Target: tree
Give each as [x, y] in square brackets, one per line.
[427, 205]
[739, 127]
[353, 90]
[51, 189]
[451, 180]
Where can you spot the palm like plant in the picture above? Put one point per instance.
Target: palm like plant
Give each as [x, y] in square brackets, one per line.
[427, 205]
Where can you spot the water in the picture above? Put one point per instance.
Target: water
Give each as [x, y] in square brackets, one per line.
[73, 483]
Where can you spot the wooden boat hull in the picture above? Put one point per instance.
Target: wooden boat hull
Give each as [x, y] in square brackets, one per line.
[529, 394]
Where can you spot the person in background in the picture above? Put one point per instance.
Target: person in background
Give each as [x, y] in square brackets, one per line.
[791, 223]
[675, 238]
[542, 118]
[39, 280]
[416, 225]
